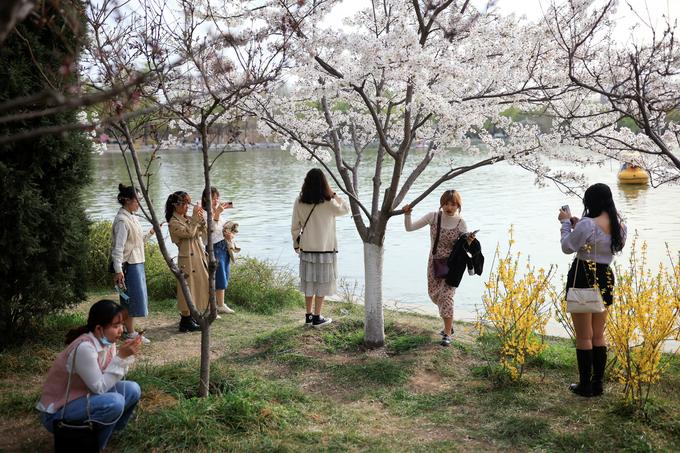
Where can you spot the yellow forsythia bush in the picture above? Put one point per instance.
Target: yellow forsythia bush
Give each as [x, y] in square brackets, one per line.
[514, 307]
[644, 316]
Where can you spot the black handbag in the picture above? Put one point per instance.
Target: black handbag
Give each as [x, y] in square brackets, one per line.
[75, 436]
[440, 266]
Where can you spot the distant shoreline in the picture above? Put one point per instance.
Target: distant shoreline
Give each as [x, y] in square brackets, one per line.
[230, 148]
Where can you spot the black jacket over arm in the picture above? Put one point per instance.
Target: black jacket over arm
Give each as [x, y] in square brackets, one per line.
[463, 256]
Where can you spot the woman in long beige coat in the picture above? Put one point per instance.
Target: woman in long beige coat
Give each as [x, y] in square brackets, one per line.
[186, 233]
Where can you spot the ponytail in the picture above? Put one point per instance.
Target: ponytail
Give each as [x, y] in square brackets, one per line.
[75, 333]
[170, 203]
[101, 313]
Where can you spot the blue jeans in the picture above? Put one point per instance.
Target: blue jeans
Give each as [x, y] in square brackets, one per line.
[111, 410]
[222, 271]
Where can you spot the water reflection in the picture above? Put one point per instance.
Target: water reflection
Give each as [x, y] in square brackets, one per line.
[633, 192]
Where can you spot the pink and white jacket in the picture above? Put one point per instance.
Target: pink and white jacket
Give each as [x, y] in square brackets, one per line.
[96, 370]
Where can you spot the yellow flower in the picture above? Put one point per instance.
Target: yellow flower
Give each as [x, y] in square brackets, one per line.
[514, 307]
[645, 314]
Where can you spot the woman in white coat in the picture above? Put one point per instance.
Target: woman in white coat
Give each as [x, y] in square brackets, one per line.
[313, 234]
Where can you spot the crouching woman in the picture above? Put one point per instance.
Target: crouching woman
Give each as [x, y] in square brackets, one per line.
[85, 382]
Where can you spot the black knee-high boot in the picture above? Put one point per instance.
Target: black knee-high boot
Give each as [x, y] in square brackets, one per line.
[599, 364]
[584, 358]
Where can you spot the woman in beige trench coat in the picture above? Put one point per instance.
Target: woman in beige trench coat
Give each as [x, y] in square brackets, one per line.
[186, 233]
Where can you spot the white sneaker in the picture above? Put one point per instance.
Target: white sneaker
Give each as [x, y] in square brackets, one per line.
[224, 309]
[136, 334]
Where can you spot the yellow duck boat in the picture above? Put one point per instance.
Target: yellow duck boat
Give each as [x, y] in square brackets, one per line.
[632, 174]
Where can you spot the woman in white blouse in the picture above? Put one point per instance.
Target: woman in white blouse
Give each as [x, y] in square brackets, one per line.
[85, 382]
[127, 257]
[219, 246]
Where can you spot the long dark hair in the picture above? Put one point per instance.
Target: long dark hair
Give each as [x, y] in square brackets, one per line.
[207, 200]
[172, 200]
[101, 314]
[597, 199]
[315, 189]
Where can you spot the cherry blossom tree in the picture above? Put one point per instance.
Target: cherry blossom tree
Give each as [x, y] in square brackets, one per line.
[624, 96]
[204, 65]
[398, 73]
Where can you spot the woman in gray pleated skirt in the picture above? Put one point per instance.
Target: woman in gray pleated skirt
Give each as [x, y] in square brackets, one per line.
[313, 234]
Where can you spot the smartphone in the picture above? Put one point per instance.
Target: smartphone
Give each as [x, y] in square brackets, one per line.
[566, 208]
[120, 292]
[475, 232]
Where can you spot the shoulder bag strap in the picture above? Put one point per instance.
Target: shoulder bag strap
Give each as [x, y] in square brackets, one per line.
[577, 265]
[439, 229]
[87, 406]
[68, 384]
[310, 214]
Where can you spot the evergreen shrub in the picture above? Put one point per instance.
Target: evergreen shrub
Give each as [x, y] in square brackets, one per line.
[44, 229]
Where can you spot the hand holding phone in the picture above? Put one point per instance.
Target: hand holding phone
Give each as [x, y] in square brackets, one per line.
[564, 213]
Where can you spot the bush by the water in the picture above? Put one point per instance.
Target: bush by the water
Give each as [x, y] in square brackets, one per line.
[160, 282]
[261, 287]
[255, 285]
[99, 251]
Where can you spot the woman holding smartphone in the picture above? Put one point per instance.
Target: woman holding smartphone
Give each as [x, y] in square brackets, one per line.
[186, 233]
[85, 383]
[595, 238]
[219, 245]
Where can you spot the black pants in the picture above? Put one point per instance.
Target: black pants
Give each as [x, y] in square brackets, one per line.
[589, 272]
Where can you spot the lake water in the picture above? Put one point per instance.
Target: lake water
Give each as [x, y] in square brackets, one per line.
[264, 183]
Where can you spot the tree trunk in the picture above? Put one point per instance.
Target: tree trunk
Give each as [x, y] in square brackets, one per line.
[204, 384]
[374, 329]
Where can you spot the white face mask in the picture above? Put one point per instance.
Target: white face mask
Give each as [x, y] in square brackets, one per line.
[105, 342]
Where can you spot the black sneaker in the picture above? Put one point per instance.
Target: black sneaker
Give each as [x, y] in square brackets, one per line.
[319, 321]
[308, 319]
[187, 324]
[446, 341]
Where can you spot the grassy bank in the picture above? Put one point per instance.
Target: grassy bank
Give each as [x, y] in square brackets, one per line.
[277, 386]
